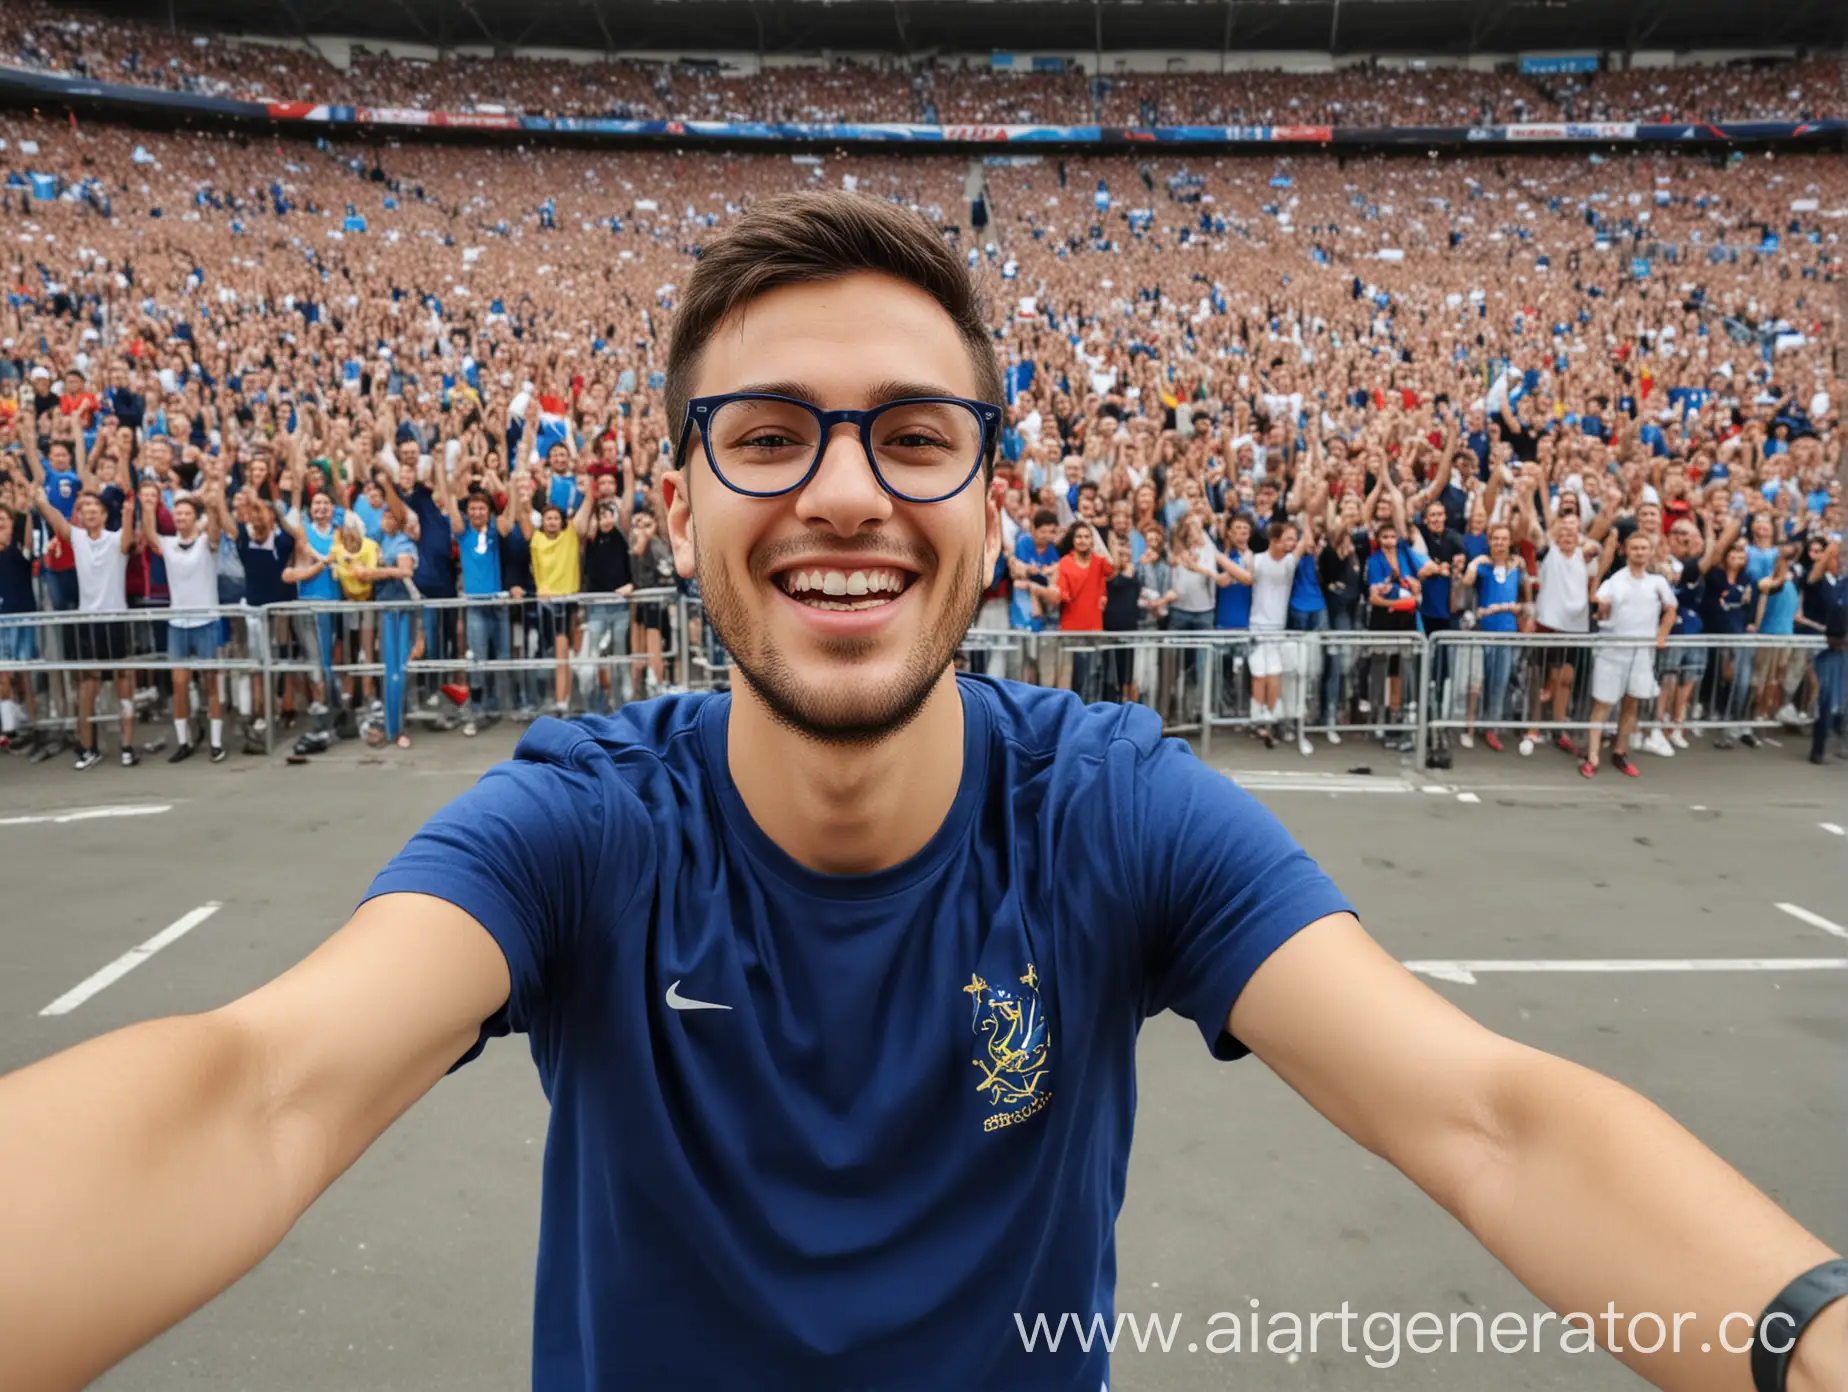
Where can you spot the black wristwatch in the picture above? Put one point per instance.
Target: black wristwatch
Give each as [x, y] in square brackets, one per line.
[1786, 1317]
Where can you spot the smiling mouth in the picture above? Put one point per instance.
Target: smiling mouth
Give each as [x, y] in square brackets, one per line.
[830, 587]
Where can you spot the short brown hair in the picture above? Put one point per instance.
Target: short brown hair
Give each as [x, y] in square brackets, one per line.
[796, 238]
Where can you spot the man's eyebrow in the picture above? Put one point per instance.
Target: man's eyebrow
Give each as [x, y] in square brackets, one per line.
[892, 389]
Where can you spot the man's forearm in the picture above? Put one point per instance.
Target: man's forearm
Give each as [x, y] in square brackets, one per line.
[1594, 1197]
[139, 1177]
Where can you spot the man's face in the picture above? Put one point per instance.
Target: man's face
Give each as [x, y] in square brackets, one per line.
[407, 473]
[1082, 540]
[1638, 549]
[1281, 540]
[559, 458]
[90, 514]
[1435, 517]
[1044, 536]
[836, 674]
[185, 518]
[477, 513]
[552, 521]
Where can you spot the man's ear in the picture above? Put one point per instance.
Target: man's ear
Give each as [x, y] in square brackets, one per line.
[680, 534]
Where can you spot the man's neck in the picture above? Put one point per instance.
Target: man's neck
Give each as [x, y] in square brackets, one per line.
[848, 811]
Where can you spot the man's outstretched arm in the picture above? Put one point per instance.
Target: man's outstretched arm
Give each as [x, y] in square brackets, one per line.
[1585, 1190]
[143, 1172]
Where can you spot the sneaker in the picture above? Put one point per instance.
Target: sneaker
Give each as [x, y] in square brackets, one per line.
[317, 709]
[130, 758]
[433, 701]
[1269, 742]
[1492, 740]
[90, 758]
[469, 729]
[1749, 739]
[1303, 746]
[1588, 769]
[1624, 766]
[181, 754]
[218, 753]
[561, 709]
[1723, 741]
[1564, 744]
[1366, 707]
[525, 715]
[1678, 738]
[1657, 744]
[1334, 737]
[1527, 745]
[1789, 717]
[1814, 759]
[1467, 740]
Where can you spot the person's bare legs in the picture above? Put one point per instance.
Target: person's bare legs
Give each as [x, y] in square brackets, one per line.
[1626, 726]
[1595, 736]
[125, 694]
[88, 683]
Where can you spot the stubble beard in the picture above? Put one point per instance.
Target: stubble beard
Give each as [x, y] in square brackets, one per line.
[805, 705]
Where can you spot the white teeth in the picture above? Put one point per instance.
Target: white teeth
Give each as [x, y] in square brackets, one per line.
[844, 583]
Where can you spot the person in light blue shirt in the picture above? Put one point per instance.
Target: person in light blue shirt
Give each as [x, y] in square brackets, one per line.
[834, 982]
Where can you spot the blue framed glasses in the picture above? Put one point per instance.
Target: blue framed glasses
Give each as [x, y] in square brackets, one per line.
[922, 449]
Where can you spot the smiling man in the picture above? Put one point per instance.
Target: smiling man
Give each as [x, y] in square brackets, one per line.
[834, 983]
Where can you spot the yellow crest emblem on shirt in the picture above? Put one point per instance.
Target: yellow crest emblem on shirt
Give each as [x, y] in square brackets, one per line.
[1013, 1048]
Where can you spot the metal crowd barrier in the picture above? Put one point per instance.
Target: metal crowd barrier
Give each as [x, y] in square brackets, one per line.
[1405, 688]
[1511, 681]
[49, 650]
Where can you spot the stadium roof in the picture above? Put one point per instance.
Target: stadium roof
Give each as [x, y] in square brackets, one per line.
[1043, 26]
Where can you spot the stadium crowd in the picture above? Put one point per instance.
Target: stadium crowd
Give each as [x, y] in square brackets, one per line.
[1260, 396]
[55, 38]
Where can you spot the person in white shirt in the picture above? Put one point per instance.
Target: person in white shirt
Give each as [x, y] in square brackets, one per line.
[1633, 604]
[102, 589]
[1563, 604]
[192, 633]
[1273, 572]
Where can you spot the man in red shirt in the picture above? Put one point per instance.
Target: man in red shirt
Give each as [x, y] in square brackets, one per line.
[78, 400]
[1078, 590]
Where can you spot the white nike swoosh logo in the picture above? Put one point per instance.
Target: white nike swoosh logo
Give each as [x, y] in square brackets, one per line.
[676, 1001]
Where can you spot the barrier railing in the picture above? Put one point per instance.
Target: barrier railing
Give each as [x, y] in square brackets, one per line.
[1546, 683]
[46, 655]
[1409, 690]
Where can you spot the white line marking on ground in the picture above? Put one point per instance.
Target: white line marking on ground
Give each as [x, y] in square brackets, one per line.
[1464, 972]
[89, 814]
[129, 960]
[1697, 807]
[1435, 788]
[1468, 797]
[1815, 920]
[1283, 781]
[1831, 828]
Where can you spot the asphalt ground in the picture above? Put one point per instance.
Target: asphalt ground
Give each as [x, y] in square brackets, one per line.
[415, 1270]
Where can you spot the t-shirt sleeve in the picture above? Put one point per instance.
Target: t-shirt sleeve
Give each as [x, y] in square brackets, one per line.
[1607, 591]
[519, 854]
[1226, 886]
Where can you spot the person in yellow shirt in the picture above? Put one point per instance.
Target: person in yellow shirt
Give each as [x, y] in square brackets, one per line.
[354, 556]
[556, 557]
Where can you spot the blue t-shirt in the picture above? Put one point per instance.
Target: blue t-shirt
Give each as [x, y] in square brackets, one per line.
[1232, 603]
[264, 562]
[1379, 571]
[1306, 590]
[62, 486]
[481, 559]
[435, 577]
[1497, 585]
[369, 517]
[1020, 607]
[392, 546]
[912, 1116]
[323, 584]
